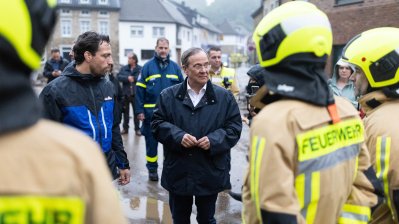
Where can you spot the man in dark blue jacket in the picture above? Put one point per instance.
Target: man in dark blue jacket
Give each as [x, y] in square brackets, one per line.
[54, 66]
[157, 74]
[84, 99]
[198, 123]
[128, 76]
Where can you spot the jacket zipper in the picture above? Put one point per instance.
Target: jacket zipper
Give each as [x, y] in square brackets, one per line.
[96, 115]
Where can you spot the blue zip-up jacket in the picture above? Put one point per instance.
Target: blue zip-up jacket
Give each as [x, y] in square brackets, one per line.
[88, 104]
[152, 80]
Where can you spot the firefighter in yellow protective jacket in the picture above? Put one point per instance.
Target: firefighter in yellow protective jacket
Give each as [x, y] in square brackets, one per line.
[375, 54]
[221, 75]
[308, 162]
[49, 173]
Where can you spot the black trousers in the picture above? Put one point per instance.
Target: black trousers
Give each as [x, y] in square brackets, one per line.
[129, 100]
[181, 206]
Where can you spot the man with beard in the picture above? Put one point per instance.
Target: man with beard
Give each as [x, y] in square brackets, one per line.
[84, 99]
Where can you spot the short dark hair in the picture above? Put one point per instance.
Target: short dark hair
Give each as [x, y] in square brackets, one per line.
[88, 41]
[214, 48]
[162, 39]
[55, 50]
[134, 56]
[188, 53]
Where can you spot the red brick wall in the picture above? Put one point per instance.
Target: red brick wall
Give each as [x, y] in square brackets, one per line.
[349, 20]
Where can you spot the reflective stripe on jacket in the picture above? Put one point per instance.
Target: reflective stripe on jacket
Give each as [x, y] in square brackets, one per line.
[304, 169]
[152, 81]
[64, 178]
[382, 128]
[230, 74]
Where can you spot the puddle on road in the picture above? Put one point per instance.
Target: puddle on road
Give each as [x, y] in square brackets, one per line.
[146, 210]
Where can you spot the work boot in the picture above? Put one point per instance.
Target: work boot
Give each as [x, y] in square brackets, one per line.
[235, 196]
[153, 175]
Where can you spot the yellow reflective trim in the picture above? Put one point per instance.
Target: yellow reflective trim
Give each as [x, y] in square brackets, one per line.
[19, 31]
[344, 220]
[355, 214]
[252, 165]
[324, 140]
[38, 209]
[300, 189]
[382, 165]
[169, 76]
[152, 159]
[52, 3]
[149, 105]
[141, 84]
[257, 148]
[356, 167]
[357, 209]
[153, 77]
[315, 196]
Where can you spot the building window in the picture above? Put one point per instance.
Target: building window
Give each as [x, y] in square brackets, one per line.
[103, 14]
[103, 27]
[344, 2]
[84, 26]
[136, 31]
[147, 54]
[188, 35]
[85, 13]
[158, 31]
[84, 1]
[65, 52]
[65, 12]
[103, 2]
[66, 28]
[336, 54]
[127, 51]
[65, 1]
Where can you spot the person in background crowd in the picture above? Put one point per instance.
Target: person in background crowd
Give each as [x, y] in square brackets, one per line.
[375, 55]
[220, 75]
[54, 67]
[254, 83]
[157, 74]
[50, 173]
[84, 99]
[128, 75]
[298, 172]
[119, 93]
[342, 83]
[198, 123]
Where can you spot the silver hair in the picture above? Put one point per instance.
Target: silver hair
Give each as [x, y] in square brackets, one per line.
[188, 53]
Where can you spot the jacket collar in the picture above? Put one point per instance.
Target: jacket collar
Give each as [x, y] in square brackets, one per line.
[209, 95]
[371, 101]
[71, 71]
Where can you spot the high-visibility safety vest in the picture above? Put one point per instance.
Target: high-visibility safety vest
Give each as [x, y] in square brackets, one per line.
[226, 79]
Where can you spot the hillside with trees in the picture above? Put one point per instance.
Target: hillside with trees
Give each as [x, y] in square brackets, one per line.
[238, 11]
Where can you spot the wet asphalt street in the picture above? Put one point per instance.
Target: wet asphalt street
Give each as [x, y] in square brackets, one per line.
[146, 202]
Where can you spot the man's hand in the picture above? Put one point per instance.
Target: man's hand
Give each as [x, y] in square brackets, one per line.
[204, 143]
[130, 78]
[124, 177]
[141, 116]
[188, 141]
[56, 73]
